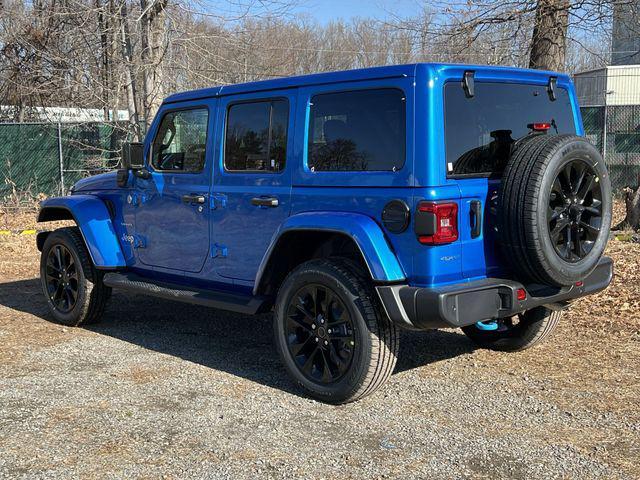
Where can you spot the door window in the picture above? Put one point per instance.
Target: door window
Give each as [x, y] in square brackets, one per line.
[358, 130]
[180, 144]
[256, 137]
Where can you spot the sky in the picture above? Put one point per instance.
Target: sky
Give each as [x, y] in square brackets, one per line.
[326, 10]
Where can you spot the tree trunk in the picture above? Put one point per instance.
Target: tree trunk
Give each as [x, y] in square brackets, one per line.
[549, 42]
[130, 81]
[104, 54]
[21, 110]
[632, 202]
[153, 31]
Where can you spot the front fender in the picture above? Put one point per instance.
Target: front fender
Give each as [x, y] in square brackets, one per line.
[92, 217]
[377, 253]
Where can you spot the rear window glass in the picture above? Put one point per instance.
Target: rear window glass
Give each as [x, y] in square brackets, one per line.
[357, 130]
[479, 131]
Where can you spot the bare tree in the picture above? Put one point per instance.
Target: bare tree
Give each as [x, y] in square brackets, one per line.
[549, 27]
[126, 54]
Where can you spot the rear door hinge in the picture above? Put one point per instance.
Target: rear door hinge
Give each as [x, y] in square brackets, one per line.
[218, 250]
[218, 200]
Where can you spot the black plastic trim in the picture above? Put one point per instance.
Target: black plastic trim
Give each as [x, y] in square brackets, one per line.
[467, 303]
[476, 218]
[551, 88]
[396, 216]
[247, 304]
[468, 84]
[425, 223]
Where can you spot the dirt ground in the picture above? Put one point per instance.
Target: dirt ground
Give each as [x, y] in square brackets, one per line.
[160, 389]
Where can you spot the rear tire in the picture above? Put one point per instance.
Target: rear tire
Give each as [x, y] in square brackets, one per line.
[334, 340]
[72, 286]
[554, 209]
[532, 328]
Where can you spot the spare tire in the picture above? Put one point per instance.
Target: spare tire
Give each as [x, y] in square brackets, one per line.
[554, 209]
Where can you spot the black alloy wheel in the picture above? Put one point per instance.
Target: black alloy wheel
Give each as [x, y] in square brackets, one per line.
[61, 277]
[320, 333]
[575, 210]
[74, 290]
[554, 210]
[332, 336]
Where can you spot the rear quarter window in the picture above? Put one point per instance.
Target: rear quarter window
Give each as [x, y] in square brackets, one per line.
[359, 130]
[479, 131]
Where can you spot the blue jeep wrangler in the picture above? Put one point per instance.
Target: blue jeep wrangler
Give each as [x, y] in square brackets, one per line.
[351, 204]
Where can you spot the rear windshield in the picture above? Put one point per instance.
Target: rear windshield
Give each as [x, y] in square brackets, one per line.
[479, 131]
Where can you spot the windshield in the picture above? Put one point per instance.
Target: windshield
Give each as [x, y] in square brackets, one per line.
[479, 131]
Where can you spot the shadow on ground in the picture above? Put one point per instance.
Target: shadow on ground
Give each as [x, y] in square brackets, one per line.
[230, 342]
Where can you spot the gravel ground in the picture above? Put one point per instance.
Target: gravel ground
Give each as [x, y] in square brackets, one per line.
[165, 389]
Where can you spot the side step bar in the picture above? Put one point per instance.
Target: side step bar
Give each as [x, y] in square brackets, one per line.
[247, 304]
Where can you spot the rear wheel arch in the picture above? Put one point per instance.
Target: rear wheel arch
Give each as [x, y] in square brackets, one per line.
[295, 247]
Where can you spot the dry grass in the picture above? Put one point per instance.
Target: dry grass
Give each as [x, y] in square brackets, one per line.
[11, 219]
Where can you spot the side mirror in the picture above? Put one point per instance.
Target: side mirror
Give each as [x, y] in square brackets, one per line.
[132, 156]
[132, 159]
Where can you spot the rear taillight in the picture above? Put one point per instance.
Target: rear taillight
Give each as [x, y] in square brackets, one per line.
[437, 223]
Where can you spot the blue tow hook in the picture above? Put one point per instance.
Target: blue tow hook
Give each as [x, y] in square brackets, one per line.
[487, 326]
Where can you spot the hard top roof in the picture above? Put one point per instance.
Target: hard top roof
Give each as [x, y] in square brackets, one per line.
[332, 77]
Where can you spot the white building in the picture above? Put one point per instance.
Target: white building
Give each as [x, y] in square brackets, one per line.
[612, 85]
[64, 114]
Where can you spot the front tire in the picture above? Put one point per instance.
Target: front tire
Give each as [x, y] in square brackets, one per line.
[331, 335]
[516, 333]
[72, 286]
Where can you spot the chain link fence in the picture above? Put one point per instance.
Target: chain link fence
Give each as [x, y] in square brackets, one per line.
[615, 130]
[47, 158]
[610, 99]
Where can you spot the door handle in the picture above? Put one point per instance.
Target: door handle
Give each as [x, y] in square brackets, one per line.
[476, 218]
[265, 202]
[193, 198]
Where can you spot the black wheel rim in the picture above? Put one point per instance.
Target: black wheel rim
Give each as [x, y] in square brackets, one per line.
[61, 277]
[319, 334]
[575, 211]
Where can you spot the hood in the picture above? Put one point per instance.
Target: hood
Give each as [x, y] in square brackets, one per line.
[103, 181]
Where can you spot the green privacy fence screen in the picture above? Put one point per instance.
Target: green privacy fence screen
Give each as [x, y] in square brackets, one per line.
[48, 158]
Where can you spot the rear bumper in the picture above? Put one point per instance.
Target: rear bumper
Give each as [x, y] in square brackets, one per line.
[467, 303]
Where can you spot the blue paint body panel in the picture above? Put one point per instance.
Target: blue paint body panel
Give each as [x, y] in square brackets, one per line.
[176, 234]
[239, 228]
[92, 216]
[227, 244]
